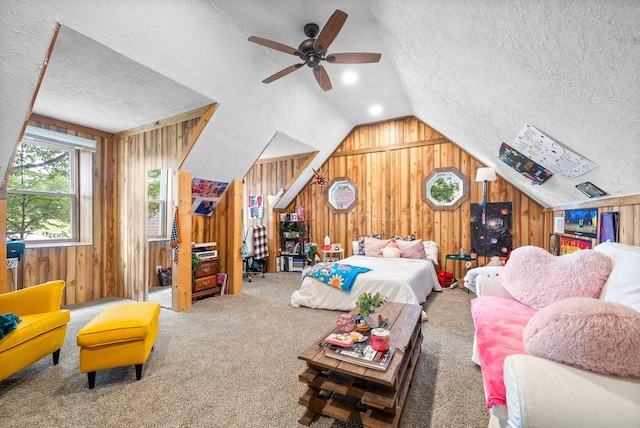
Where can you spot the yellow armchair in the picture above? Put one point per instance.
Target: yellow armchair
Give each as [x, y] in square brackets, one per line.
[41, 331]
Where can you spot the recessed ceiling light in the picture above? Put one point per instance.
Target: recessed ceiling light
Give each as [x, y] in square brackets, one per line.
[375, 110]
[349, 78]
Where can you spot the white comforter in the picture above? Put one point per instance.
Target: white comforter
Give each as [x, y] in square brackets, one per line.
[401, 280]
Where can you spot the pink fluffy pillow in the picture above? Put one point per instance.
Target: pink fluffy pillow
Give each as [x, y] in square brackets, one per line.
[537, 278]
[590, 334]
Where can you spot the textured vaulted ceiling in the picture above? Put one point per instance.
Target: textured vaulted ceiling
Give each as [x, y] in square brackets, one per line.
[476, 71]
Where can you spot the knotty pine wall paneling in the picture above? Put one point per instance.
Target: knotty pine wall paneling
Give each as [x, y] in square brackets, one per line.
[87, 269]
[628, 208]
[388, 161]
[150, 149]
[267, 177]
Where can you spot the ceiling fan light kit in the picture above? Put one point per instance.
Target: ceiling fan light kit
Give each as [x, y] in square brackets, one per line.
[314, 50]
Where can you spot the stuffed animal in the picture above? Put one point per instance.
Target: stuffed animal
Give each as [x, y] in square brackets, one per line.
[495, 261]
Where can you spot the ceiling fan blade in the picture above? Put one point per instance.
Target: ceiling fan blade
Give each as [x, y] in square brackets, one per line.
[274, 45]
[330, 30]
[282, 73]
[353, 58]
[322, 77]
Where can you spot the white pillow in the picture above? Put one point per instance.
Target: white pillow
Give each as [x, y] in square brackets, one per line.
[431, 251]
[623, 284]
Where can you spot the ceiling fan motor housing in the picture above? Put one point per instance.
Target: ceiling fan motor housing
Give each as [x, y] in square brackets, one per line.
[309, 54]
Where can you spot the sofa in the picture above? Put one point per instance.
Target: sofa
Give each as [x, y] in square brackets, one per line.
[41, 329]
[564, 354]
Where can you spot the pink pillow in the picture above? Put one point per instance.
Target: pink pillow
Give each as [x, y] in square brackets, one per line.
[373, 247]
[412, 249]
[537, 278]
[590, 334]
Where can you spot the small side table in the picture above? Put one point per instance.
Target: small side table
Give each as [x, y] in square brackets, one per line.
[456, 258]
[327, 255]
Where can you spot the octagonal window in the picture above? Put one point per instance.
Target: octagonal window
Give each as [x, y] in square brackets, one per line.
[445, 189]
[342, 195]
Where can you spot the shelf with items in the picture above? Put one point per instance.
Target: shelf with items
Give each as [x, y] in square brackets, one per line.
[294, 245]
[294, 238]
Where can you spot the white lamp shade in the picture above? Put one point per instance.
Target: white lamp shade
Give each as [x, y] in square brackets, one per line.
[486, 174]
[272, 199]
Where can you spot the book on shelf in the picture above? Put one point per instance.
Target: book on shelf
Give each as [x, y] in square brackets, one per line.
[362, 354]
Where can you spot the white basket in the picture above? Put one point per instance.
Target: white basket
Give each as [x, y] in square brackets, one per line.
[12, 263]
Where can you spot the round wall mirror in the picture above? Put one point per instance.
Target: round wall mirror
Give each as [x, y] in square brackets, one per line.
[445, 189]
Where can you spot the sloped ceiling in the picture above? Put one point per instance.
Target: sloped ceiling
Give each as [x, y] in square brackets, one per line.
[476, 71]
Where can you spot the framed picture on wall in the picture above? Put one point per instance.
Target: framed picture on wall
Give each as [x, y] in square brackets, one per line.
[582, 222]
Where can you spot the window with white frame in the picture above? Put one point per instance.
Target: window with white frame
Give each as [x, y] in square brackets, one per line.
[157, 190]
[43, 191]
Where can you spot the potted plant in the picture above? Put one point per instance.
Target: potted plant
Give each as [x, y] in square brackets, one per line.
[195, 262]
[367, 304]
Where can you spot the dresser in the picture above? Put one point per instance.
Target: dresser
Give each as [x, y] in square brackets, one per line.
[205, 280]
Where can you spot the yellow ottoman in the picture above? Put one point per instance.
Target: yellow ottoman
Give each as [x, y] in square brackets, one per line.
[120, 335]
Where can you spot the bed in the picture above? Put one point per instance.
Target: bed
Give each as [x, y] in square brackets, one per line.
[401, 280]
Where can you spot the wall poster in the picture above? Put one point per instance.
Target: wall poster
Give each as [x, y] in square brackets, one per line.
[569, 245]
[205, 195]
[551, 155]
[582, 221]
[256, 206]
[499, 241]
[525, 166]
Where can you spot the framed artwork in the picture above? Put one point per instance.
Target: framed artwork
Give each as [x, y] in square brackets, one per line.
[445, 189]
[583, 222]
[569, 245]
[554, 244]
[342, 195]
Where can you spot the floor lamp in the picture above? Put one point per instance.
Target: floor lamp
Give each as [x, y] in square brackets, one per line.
[484, 175]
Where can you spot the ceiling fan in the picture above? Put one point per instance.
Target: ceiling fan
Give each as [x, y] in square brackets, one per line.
[314, 50]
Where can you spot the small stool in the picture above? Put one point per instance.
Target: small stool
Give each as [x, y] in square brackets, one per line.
[120, 335]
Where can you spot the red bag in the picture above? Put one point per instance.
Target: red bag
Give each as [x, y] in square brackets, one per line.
[445, 278]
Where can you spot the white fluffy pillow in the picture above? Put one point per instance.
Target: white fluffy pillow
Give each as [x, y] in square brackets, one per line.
[587, 333]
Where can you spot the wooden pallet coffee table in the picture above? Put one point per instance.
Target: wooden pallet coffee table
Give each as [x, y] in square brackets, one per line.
[375, 398]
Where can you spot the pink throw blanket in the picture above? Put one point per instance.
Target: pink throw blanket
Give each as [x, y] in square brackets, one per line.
[499, 325]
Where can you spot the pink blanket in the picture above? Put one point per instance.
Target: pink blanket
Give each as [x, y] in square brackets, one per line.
[499, 324]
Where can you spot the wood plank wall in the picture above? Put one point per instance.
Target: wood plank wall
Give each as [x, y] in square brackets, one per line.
[387, 161]
[88, 270]
[628, 208]
[115, 263]
[140, 153]
[267, 177]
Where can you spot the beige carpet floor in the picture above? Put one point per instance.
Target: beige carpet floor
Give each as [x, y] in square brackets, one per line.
[232, 362]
